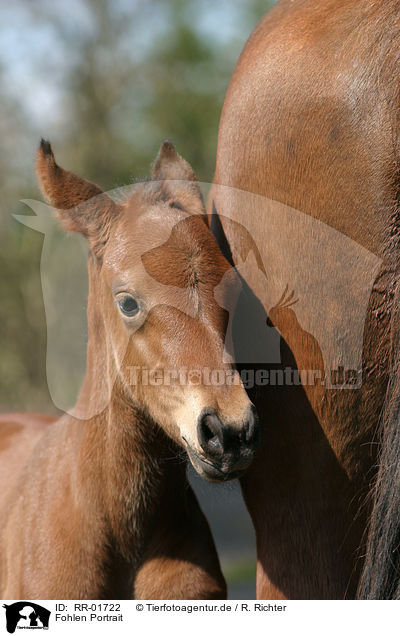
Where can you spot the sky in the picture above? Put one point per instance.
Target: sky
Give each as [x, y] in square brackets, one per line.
[32, 60]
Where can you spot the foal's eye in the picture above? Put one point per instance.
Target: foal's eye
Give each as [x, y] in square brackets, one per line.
[128, 306]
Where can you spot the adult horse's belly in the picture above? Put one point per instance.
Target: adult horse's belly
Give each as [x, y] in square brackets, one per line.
[302, 171]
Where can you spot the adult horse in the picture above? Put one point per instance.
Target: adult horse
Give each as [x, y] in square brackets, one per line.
[94, 505]
[308, 160]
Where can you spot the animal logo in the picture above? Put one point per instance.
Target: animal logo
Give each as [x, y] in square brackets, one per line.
[247, 292]
[26, 615]
[331, 274]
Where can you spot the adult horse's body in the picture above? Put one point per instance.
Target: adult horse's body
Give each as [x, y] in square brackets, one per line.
[95, 505]
[311, 121]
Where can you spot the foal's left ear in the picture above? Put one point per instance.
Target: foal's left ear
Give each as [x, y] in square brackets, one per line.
[82, 206]
[180, 184]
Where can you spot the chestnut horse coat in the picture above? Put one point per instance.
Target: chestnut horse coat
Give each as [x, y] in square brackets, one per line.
[310, 124]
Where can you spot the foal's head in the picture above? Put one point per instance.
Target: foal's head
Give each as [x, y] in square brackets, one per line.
[153, 269]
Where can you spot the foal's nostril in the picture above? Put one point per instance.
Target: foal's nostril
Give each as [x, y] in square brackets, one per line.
[220, 440]
[210, 433]
[251, 431]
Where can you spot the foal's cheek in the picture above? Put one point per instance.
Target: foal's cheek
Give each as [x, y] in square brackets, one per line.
[162, 403]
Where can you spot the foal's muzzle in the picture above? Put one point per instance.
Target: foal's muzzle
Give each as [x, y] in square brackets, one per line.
[227, 449]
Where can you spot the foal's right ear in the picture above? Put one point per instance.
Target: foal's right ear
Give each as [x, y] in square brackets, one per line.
[82, 206]
[180, 183]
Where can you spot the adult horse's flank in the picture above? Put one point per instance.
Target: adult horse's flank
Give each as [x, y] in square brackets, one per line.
[92, 505]
[311, 120]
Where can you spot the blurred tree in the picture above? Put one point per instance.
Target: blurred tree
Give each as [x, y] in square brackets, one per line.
[23, 329]
[120, 77]
[189, 74]
[97, 81]
[121, 105]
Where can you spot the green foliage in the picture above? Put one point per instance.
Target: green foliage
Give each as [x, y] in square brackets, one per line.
[122, 77]
[240, 571]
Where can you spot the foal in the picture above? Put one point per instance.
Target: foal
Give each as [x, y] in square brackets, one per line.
[92, 505]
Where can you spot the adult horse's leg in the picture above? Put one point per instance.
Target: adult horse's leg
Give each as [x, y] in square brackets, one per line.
[304, 509]
[381, 575]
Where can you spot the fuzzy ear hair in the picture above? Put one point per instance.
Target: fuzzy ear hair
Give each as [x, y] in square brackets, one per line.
[82, 206]
[181, 185]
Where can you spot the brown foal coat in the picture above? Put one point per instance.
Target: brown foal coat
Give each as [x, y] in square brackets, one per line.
[97, 504]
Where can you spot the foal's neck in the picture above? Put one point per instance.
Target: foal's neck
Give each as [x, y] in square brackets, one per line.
[131, 473]
[128, 471]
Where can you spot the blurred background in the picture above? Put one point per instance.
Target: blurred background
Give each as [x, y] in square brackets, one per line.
[106, 81]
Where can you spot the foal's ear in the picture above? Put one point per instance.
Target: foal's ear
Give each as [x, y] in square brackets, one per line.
[181, 184]
[82, 206]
